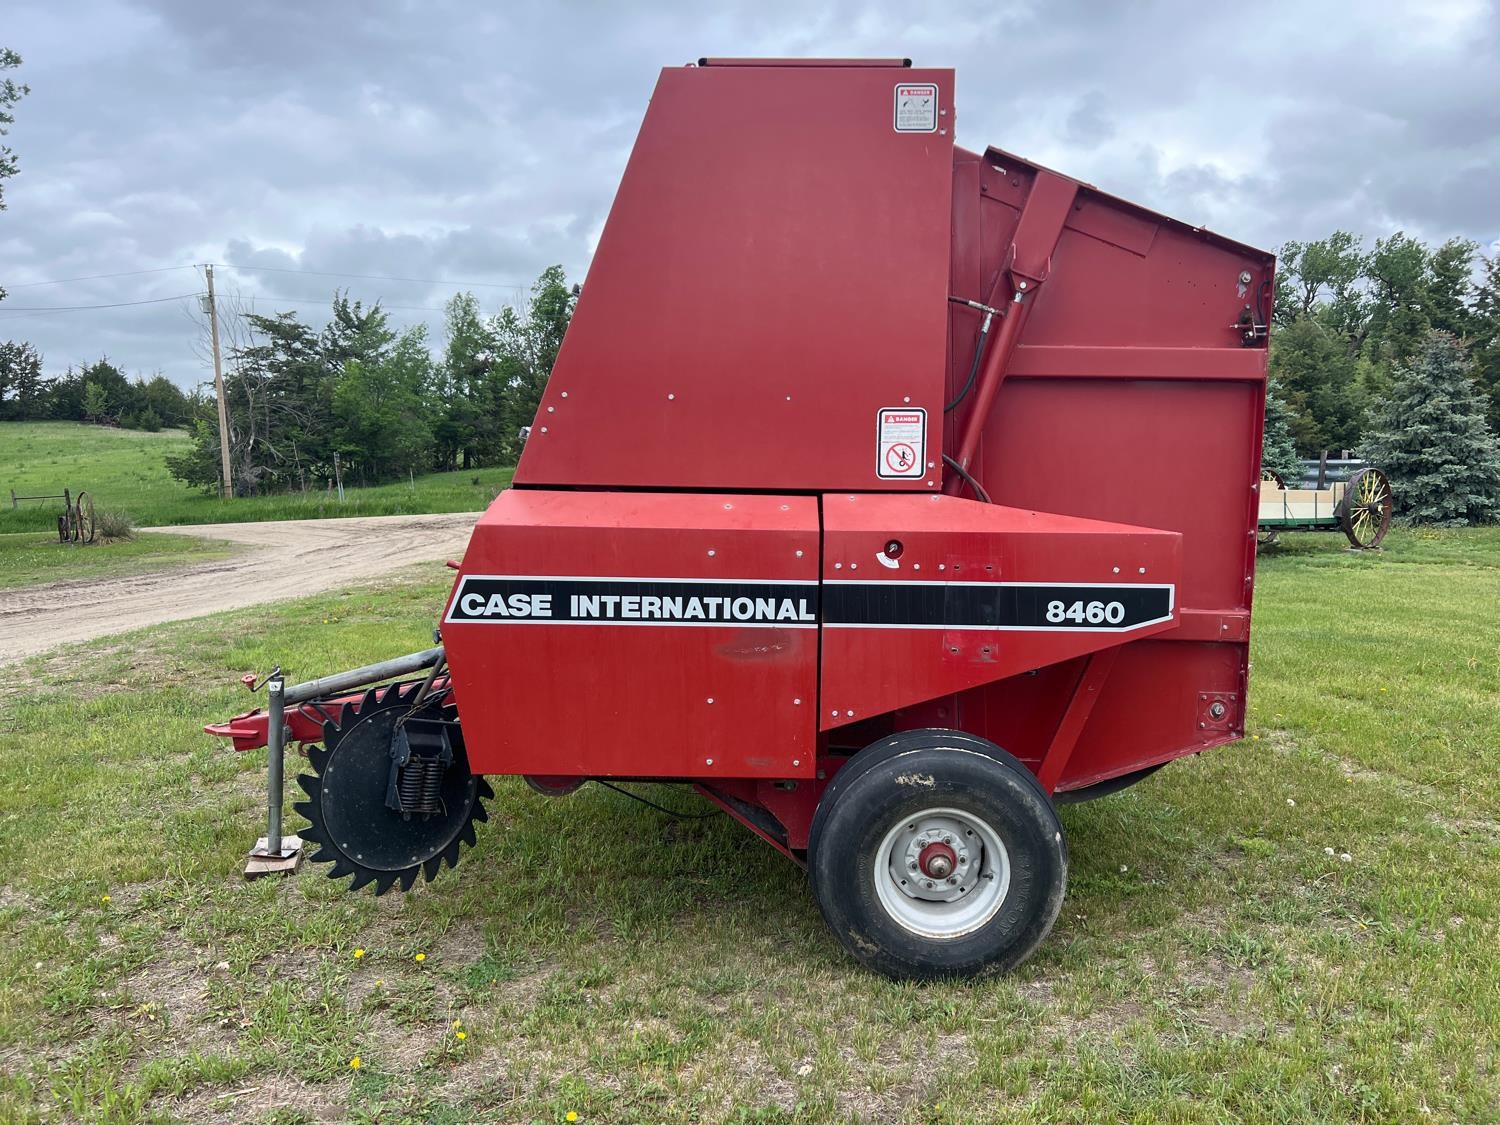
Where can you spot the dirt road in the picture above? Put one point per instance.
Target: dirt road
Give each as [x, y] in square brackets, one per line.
[285, 560]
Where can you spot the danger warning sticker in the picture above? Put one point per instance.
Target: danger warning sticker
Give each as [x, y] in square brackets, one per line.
[916, 108]
[901, 443]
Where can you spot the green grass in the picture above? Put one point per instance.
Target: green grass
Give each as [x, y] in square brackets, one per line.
[28, 558]
[1213, 962]
[126, 470]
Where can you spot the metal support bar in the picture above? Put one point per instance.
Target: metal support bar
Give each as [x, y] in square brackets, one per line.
[1027, 266]
[276, 764]
[359, 677]
[275, 853]
[1085, 695]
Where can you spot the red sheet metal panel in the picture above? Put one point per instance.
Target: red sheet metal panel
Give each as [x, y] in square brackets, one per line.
[772, 276]
[925, 596]
[650, 634]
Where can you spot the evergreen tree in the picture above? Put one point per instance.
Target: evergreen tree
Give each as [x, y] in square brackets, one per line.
[463, 383]
[527, 342]
[1486, 323]
[1315, 373]
[1431, 439]
[22, 388]
[11, 92]
[1279, 449]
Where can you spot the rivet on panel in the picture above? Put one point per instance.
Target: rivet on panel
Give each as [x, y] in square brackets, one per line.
[849, 714]
[544, 429]
[565, 394]
[1143, 570]
[729, 507]
[799, 554]
[671, 397]
[1117, 570]
[906, 398]
[796, 703]
[708, 761]
[712, 552]
[710, 699]
[838, 566]
[854, 566]
[551, 410]
[916, 566]
[796, 762]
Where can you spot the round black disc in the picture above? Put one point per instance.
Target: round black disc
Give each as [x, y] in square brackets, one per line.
[359, 834]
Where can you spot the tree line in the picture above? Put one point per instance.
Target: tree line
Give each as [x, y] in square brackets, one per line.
[376, 396]
[1346, 317]
[1392, 353]
[96, 392]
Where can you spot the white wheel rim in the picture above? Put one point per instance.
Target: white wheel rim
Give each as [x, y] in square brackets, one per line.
[952, 905]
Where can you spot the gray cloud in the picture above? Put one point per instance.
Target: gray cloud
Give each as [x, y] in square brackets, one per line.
[446, 140]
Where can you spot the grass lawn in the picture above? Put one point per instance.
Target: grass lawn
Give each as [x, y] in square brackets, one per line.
[1299, 927]
[28, 558]
[126, 470]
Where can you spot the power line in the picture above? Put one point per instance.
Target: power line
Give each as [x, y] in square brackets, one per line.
[80, 308]
[96, 277]
[375, 277]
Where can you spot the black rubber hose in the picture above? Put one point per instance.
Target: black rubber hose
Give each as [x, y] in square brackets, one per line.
[972, 483]
[973, 371]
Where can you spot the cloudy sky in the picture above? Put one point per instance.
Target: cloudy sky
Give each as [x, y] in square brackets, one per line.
[470, 145]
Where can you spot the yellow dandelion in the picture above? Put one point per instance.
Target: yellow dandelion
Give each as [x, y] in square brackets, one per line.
[356, 1062]
[1385, 689]
[380, 984]
[421, 957]
[104, 899]
[1255, 737]
[358, 953]
[460, 1035]
[572, 1116]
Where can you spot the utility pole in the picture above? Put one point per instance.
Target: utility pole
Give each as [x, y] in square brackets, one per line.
[226, 488]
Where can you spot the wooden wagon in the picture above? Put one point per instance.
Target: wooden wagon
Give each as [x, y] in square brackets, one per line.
[1359, 507]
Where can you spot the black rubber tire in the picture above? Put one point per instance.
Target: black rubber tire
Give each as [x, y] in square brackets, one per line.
[895, 779]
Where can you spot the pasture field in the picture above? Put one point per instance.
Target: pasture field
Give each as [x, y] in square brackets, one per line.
[1300, 927]
[126, 470]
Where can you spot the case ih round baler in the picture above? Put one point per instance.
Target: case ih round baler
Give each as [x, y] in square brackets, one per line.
[887, 493]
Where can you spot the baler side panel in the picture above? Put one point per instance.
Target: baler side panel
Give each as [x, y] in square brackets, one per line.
[976, 593]
[692, 653]
[1135, 395]
[773, 273]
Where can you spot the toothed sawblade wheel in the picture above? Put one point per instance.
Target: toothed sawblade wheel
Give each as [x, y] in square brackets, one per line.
[349, 796]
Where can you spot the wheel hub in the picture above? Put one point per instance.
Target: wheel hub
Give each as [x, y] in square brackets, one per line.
[942, 873]
[937, 860]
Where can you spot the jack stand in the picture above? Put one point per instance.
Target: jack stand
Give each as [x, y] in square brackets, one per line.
[287, 857]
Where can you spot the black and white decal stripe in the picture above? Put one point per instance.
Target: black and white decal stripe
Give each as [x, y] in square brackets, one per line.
[752, 602]
[836, 604]
[905, 604]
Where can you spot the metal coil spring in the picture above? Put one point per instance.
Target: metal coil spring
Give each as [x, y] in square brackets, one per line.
[419, 785]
